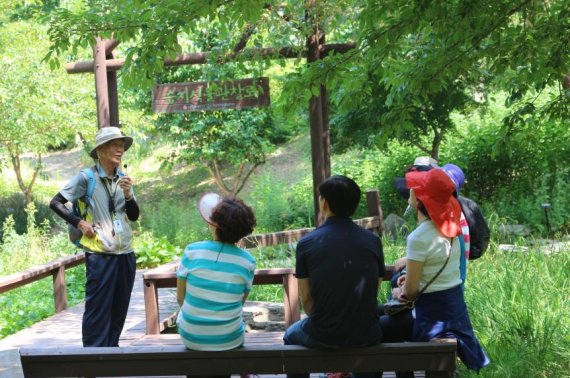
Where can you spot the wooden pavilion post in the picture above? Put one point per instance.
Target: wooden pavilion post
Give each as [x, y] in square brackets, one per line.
[316, 124]
[318, 116]
[113, 96]
[101, 88]
[325, 119]
[326, 132]
[105, 84]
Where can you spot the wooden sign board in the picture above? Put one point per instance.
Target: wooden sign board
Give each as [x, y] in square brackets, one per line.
[210, 95]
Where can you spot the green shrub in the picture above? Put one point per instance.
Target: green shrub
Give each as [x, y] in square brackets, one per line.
[15, 205]
[34, 247]
[282, 206]
[269, 203]
[300, 200]
[513, 170]
[16, 314]
[280, 256]
[22, 307]
[375, 169]
[523, 205]
[179, 223]
[372, 170]
[393, 250]
[152, 251]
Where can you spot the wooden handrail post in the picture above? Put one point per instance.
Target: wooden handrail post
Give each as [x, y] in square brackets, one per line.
[291, 305]
[151, 308]
[59, 289]
[375, 208]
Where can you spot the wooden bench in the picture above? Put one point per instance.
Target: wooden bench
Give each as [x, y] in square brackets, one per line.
[263, 353]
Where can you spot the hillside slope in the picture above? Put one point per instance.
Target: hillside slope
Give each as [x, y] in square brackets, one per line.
[288, 164]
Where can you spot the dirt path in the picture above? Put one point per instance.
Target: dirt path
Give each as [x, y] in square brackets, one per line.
[59, 167]
[287, 164]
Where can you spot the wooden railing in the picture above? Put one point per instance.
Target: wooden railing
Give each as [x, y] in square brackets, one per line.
[153, 280]
[165, 276]
[56, 269]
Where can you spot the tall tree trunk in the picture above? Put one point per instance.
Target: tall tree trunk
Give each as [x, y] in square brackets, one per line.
[238, 180]
[566, 81]
[239, 183]
[436, 143]
[216, 174]
[16, 164]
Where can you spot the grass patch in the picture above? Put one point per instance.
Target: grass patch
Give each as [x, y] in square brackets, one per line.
[280, 256]
[518, 306]
[22, 307]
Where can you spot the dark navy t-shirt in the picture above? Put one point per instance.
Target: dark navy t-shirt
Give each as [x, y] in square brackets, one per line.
[343, 263]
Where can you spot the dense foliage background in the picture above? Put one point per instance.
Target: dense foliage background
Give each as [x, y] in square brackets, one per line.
[482, 84]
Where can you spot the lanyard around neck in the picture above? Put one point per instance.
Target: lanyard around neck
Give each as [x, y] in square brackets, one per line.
[110, 197]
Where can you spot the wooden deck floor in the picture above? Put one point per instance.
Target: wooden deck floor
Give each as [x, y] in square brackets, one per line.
[64, 329]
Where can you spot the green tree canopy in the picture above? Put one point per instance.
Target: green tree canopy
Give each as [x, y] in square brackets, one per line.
[412, 54]
[415, 57]
[39, 108]
[230, 144]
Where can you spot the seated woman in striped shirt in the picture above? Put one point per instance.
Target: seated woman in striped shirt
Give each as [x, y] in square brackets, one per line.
[215, 278]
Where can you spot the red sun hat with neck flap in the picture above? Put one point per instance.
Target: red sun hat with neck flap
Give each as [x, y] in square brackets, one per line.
[435, 190]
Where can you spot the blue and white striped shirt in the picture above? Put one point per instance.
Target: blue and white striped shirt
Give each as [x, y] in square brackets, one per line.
[217, 277]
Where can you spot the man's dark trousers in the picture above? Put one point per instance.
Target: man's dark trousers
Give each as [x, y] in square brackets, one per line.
[110, 280]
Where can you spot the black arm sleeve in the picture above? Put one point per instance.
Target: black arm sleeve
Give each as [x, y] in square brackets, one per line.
[132, 209]
[57, 204]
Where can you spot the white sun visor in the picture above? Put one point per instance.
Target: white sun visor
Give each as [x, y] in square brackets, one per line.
[206, 204]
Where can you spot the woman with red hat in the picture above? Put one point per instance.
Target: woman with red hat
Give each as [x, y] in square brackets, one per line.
[433, 281]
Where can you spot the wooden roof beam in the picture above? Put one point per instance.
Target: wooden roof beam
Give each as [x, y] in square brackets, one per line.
[202, 57]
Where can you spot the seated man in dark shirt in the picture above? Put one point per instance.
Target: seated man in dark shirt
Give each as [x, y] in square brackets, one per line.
[339, 268]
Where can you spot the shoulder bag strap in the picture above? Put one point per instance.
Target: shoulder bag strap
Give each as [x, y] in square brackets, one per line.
[412, 302]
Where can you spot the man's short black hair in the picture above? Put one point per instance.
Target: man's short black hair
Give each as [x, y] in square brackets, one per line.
[342, 195]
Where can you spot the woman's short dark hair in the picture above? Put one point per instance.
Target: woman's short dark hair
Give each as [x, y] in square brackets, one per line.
[342, 195]
[234, 220]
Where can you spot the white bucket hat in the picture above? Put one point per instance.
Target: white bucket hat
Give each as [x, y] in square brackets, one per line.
[425, 161]
[206, 204]
[107, 134]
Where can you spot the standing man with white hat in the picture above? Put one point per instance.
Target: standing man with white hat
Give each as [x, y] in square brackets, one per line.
[106, 236]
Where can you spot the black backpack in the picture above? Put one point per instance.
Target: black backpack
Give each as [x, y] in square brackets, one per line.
[479, 233]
